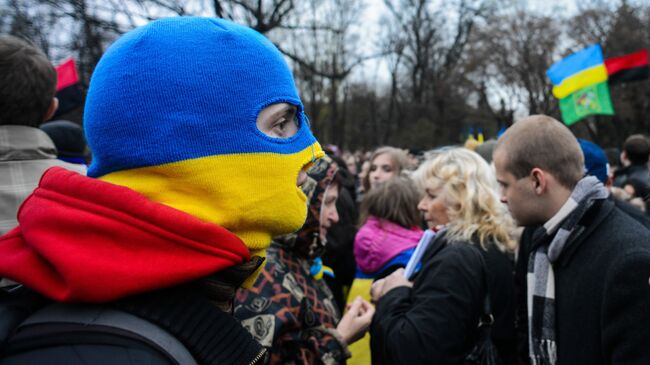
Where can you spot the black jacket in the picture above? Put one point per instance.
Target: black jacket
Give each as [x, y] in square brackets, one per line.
[638, 172]
[634, 212]
[339, 253]
[435, 322]
[602, 293]
[208, 334]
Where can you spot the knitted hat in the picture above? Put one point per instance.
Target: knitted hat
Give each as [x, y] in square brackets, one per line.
[596, 163]
[68, 137]
[171, 113]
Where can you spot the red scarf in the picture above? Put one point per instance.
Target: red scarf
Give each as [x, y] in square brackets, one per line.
[85, 240]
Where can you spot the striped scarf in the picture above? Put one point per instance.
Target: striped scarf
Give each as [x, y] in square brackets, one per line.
[541, 280]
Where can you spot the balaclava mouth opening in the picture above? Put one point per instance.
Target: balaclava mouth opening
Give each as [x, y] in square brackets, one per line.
[307, 241]
[171, 113]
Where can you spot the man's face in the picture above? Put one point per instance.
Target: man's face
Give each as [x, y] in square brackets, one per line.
[518, 194]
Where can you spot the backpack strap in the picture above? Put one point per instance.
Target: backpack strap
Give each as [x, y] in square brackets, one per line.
[174, 321]
[58, 320]
[211, 335]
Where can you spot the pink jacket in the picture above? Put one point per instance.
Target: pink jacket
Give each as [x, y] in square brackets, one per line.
[378, 241]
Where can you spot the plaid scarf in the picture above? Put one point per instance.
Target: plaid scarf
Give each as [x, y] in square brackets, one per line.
[541, 279]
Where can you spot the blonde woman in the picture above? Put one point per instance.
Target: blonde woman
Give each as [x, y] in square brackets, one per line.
[433, 319]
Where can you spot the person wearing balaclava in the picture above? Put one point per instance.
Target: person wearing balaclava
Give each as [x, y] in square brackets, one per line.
[199, 143]
[290, 309]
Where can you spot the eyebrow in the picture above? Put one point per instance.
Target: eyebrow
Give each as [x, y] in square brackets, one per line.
[284, 110]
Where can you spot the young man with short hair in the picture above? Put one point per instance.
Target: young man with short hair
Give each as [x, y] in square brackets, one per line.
[636, 150]
[27, 88]
[584, 266]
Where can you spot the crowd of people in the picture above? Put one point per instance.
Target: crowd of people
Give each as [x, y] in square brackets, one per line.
[211, 227]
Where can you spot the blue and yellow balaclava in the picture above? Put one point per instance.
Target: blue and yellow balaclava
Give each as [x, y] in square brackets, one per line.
[171, 113]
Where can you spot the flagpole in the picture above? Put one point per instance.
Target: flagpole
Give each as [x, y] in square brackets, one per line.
[590, 124]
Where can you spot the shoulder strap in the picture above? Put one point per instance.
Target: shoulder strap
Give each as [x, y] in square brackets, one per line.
[181, 324]
[211, 335]
[58, 319]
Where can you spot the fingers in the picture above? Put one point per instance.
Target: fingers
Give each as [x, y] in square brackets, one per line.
[376, 289]
[355, 305]
[368, 311]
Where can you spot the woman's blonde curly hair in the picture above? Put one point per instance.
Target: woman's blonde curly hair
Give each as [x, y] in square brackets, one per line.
[469, 187]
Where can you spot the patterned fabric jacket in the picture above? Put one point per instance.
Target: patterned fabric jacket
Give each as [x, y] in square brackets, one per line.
[291, 313]
[25, 153]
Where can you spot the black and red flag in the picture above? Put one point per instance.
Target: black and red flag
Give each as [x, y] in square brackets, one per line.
[68, 89]
[629, 67]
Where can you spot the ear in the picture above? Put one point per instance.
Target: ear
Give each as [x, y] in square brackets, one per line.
[54, 105]
[539, 179]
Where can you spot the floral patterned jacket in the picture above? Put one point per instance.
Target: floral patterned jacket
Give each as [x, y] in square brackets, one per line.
[291, 313]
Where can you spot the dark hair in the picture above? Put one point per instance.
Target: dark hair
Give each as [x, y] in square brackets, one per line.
[637, 149]
[395, 200]
[27, 82]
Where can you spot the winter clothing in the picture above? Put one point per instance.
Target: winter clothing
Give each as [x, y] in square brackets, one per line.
[633, 172]
[601, 288]
[188, 190]
[25, 153]
[632, 211]
[84, 240]
[436, 320]
[287, 309]
[378, 241]
[171, 137]
[68, 137]
[167, 323]
[541, 291]
[50, 252]
[596, 163]
[291, 313]
[380, 248]
[340, 240]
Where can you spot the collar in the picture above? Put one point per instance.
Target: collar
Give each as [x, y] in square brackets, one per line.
[19, 142]
[551, 225]
[599, 212]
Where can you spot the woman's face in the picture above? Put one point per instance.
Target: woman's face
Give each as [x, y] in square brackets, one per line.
[382, 168]
[351, 164]
[328, 213]
[434, 207]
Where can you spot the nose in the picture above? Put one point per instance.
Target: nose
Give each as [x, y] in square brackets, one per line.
[334, 216]
[422, 205]
[503, 199]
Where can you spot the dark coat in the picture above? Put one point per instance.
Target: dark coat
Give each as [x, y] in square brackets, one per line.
[637, 172]
[634, 212]
[339, 253]
[602, 294]
[435, 322]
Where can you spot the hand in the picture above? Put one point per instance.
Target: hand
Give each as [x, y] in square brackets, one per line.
[383, 286]
[356, 320]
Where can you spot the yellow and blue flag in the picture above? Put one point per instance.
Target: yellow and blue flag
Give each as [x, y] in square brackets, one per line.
[577, 71]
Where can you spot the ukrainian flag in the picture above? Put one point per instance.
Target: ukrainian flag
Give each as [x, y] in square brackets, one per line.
[577, 71]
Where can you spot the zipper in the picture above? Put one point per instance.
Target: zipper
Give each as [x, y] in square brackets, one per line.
[258, 357]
